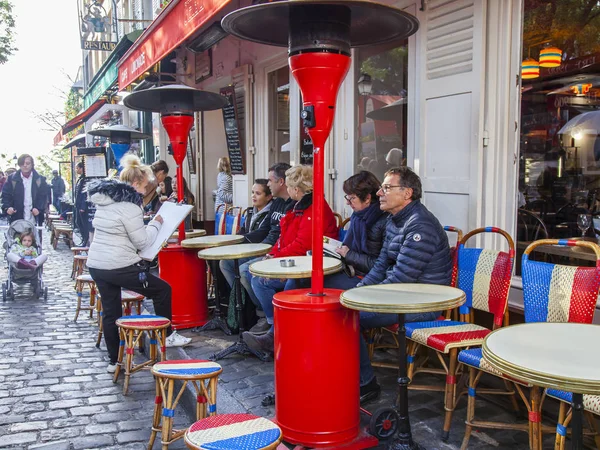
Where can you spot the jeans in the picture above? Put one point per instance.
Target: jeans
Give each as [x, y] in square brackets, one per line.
[110, 283]
[227, 268]
[374, 320]
[265, 289]
[336, 281]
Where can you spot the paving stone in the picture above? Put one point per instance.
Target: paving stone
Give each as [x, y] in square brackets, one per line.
[19, 438]
[95, 441]
[28, 426]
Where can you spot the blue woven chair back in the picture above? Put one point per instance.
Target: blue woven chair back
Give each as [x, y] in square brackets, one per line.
[220, 220]
[558, 293]
[344, 229]
[484, 275]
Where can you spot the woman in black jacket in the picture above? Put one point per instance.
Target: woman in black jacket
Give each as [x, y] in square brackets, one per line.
[364, 239]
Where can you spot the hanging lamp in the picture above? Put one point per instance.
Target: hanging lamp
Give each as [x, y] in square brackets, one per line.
[550, 57]
[530, 68]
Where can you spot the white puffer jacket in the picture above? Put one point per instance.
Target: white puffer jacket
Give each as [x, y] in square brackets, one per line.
[119, 224]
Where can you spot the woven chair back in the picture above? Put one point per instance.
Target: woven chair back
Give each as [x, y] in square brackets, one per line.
[560, 293]
[232, 220]
[220, 219]
[450, 230]
[484, 275]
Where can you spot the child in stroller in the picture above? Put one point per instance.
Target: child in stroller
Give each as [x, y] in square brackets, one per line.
[25, 258]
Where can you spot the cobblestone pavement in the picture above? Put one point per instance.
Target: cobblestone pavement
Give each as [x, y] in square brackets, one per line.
[55, 394]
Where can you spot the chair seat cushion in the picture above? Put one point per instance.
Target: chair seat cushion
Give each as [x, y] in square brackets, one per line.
[473, 357]
[143, 321]
[85, 277]
[193, 368]
[590, 402]
[227, 431]
[443, 335]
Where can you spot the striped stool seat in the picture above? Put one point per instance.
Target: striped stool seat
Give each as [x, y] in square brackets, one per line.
[443, 335]
[129, 299]
[202, 374]
[85, 277]
[473, 357]
[591, 403]
[143, 322]
[131, 331]
[233, 432]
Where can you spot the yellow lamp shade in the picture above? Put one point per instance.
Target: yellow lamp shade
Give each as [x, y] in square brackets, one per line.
[550, 57]
[530, 68]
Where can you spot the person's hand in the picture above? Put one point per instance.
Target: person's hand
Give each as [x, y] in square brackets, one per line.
[10, 211]
[343, 250]
[27, 252]
[35, 211]
[159, 218]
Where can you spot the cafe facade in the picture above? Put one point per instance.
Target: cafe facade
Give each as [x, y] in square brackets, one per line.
[482, 102]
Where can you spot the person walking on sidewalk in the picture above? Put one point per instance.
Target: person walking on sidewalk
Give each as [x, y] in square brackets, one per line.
[113, 257]
[58, 189]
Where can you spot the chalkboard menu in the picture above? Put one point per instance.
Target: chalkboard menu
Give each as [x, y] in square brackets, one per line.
[230, 119]
[306, 147]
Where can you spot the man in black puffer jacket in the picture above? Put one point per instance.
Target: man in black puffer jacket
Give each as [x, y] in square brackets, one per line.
[415, 250]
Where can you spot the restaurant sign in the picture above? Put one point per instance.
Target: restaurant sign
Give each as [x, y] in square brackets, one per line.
[96, 26]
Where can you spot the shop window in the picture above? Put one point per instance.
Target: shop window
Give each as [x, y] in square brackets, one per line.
[559, 165]
[382, 74]
[279, 107]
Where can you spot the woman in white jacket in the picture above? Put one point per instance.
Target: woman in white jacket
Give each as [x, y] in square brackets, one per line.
[113, 257]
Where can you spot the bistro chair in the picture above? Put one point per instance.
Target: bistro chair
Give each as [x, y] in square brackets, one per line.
[201, 374]
[232, 220]
[376, 337]
[80, 282]
[338, 220]
[484, 275]
[129, 301]
[220, 219]
[551, 293]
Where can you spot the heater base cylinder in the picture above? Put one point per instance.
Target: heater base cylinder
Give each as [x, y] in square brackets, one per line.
[186, 273]
[316, 369]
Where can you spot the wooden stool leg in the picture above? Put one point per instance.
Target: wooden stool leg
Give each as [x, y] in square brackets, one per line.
[79, 288]
[120, 356]
[168, 413]
[470, 407]
[535, 419]
[201, 399]
[154, 341]
[92, 301]
[562, 413]
[212, 387]
[100, 323]
[129, 348]
[139, 308]
[449, 401]
[156, 426]
[74, 269]
[162, 337]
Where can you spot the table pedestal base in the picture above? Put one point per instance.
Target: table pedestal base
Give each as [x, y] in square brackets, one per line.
[404, 440]
[217, 322]
[241, 348]
[577, 422]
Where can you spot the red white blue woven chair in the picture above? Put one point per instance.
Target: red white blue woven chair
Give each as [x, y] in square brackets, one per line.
[551, 293]
[484, 275]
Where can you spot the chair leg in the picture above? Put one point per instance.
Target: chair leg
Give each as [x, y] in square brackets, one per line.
[129, 348]
[513, 397]
[562, 413]
[535, 418]
[99, 314]
[120, 356]
[79, 288]
[450, 394]
[157, 414]
[413, 348]
[594, 427]
[470, 407]
[167, 423]
[370, 336]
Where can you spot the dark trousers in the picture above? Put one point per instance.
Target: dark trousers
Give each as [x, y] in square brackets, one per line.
[110, 283]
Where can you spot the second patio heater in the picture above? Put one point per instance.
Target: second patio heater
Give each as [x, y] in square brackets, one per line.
[319, 36]
[120, 137]
[180, 267]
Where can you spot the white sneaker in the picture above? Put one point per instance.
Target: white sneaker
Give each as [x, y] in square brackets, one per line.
[111, 368]
[177, 340]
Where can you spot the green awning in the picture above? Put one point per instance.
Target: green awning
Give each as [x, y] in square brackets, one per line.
[108, 73]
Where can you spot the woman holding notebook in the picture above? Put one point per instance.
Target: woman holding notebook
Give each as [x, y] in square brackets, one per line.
[113, 257]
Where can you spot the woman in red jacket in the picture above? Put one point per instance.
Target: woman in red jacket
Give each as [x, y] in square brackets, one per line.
[295, 240]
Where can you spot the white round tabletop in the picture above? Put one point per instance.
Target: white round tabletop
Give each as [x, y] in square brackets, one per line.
[561, 356]
[272, 268]
[234, 251]
[189, 234]
[212, 241]
[402, 298]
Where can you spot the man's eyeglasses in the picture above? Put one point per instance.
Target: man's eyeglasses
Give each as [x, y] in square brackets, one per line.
[388, 187]
[350, 198]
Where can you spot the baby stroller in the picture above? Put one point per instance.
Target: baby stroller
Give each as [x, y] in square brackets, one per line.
[16, 275]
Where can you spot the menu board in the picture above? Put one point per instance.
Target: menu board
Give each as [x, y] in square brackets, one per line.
[306, 147]
[95, 165]
[230, 120]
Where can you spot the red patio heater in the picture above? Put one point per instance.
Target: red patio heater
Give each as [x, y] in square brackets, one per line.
[180, 267]
[324, 362]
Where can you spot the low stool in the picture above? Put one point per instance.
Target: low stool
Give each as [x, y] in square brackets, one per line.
[79, 262]
[51, 218]
[129, 300]
[66, 232]
[233, 432]
[77, 251]
[131, 330]
[80, 282]
[202, 374]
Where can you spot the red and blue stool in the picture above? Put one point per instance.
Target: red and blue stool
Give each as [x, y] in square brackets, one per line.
[131, 330]
[129, 301]
[233, 432]
[202, 374]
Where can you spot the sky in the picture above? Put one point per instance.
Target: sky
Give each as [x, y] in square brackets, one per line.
[36, 78]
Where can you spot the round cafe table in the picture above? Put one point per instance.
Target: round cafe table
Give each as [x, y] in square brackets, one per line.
[403, 299]
[202, 242]
[190, 234]
[235, 253]
[562, 356]
[272, 268]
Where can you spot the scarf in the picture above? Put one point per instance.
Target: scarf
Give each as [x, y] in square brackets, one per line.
[360, 222]
[258, 215]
